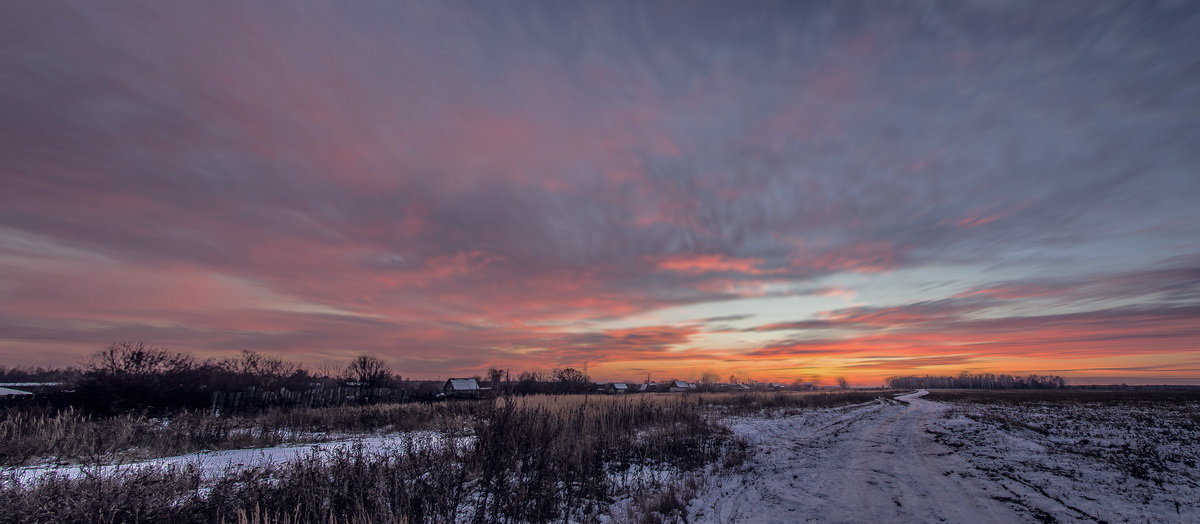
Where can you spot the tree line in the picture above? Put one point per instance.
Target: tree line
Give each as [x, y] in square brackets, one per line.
[977, 381]
[136, 376]
[141, 377]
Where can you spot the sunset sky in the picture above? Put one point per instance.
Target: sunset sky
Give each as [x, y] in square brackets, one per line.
[766, 190]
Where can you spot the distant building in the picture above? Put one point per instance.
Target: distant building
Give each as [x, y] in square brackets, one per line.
[725, 386]
[678, 386]
[464, 388]
[614, 388]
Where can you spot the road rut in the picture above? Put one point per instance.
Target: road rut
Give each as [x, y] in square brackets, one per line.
[873, 463]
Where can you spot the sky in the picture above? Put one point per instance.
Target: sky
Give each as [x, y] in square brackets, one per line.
[769, 190]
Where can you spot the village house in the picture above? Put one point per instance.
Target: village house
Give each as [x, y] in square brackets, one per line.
[464, 388]
[678, 386]
[614, 388]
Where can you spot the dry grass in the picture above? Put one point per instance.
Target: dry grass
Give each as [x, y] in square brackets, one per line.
[530, 460]
[71, 436]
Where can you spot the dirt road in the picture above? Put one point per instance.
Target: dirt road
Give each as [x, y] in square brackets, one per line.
[874, 463]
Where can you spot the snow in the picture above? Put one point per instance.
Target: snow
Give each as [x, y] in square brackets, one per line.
[869, 463]
[213, 464]
[905, 459]
[1086, 461]
[914, 460]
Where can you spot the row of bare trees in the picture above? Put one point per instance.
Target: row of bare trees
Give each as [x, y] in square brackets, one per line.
[142, 377]
[136, 375]
[967, 380]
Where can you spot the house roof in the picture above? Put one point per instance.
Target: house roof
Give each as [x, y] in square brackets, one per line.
[680, 384]
[463, 384]
[620, 385]
[6, 392]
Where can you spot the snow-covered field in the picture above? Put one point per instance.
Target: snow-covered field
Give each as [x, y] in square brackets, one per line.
[907, 459]
[216, 463]
[914, 460]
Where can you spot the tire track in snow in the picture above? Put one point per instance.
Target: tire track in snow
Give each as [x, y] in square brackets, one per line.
[872, 463]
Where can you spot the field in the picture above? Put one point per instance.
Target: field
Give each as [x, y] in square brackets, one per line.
[852, 456]
[525, 459]
[1082, 454]
[970, 456]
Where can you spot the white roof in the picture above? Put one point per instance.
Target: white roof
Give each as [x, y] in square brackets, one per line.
[681, 384]
[5, 392]
[620, 385]
[463, 384]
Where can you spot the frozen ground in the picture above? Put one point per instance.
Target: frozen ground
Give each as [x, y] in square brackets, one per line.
[1086, 461]
[903, 460]
[216, 463]
[913, 460]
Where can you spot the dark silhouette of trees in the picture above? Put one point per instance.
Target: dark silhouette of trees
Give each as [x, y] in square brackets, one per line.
[369, 372]
[250, 369]
[967, 380]
[36, 374]
[138, 359]
[138, 376]
[529, 382]
[708, 381]
[497, 382]
[571, 380]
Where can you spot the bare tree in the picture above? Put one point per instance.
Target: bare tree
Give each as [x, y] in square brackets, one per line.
[263, 370]
[138, 358]
[369, 372]
[529, 382]
[495, 376]
[842, 384]
[136, 375]
[569, 375]
[571, 380]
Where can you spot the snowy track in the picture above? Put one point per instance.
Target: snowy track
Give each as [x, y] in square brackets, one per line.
[871, 463]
